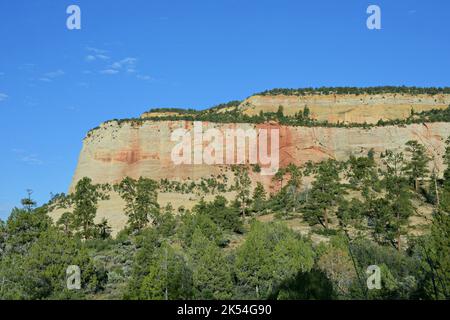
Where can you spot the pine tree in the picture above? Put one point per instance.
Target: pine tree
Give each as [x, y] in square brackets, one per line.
[242, 185]
[190, 222]
[259, 198]
[84, 202]
[447, 163]
[43, 268]
[226, 217]
[306, 112]
[168, 277]
[65, 223]
[141, 201]
[211, 274]
[435, 257]
[280, 114]
[279, 176]
[270, 254]
[397, 206]
[325, 193]
[289, 196]
[295, 175]
[28, 203]
[104, 229]
[23, 228]
[416, 168]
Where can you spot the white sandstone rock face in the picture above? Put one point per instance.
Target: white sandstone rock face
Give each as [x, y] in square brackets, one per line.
[347, 108]
[117, 150]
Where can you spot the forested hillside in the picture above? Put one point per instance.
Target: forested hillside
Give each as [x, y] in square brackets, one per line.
[360, 212]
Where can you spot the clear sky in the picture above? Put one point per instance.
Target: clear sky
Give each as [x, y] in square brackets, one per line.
[56, 84]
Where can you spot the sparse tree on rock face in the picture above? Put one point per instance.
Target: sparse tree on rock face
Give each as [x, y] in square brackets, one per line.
[259, 198]
[416, 168]
[279, 176]
[141, 201]
[242, 184]
[306, 112]
[294, 185]
[296, 175]
[280, 113]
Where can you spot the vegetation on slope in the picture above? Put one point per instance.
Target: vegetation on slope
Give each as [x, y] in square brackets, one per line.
[219, 249]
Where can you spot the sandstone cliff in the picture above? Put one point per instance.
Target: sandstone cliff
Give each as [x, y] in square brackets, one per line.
[119, 149]
[348, 108]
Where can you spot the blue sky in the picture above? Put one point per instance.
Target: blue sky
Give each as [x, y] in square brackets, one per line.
[56, 84]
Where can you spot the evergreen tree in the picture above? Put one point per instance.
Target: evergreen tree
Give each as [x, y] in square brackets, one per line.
[397, 206]
[259, 198]
[279, 176]
[362, 174]
[447, 163]
[351, 213]
[242, 185]
[280, 113]
[28, 203]
[270, 254]
[65, 223]
[416, 168]
[141, 201]
[84, 202]
[168, 277]
[24, 227]
[211, 273]
[166, 222]
[295, 175]
[434, 255]
[104, 229]
[147, 243]
[41, 272]
[306, 112]
[224, 216]
[190, 222]
[3, 236]
[325, 193]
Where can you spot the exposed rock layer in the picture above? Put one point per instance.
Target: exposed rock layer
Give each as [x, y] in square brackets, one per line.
[347, 108]
[117, 150]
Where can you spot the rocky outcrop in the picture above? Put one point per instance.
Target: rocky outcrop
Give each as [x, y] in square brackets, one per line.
[115, 150]
[347, 108]
[143, 148]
